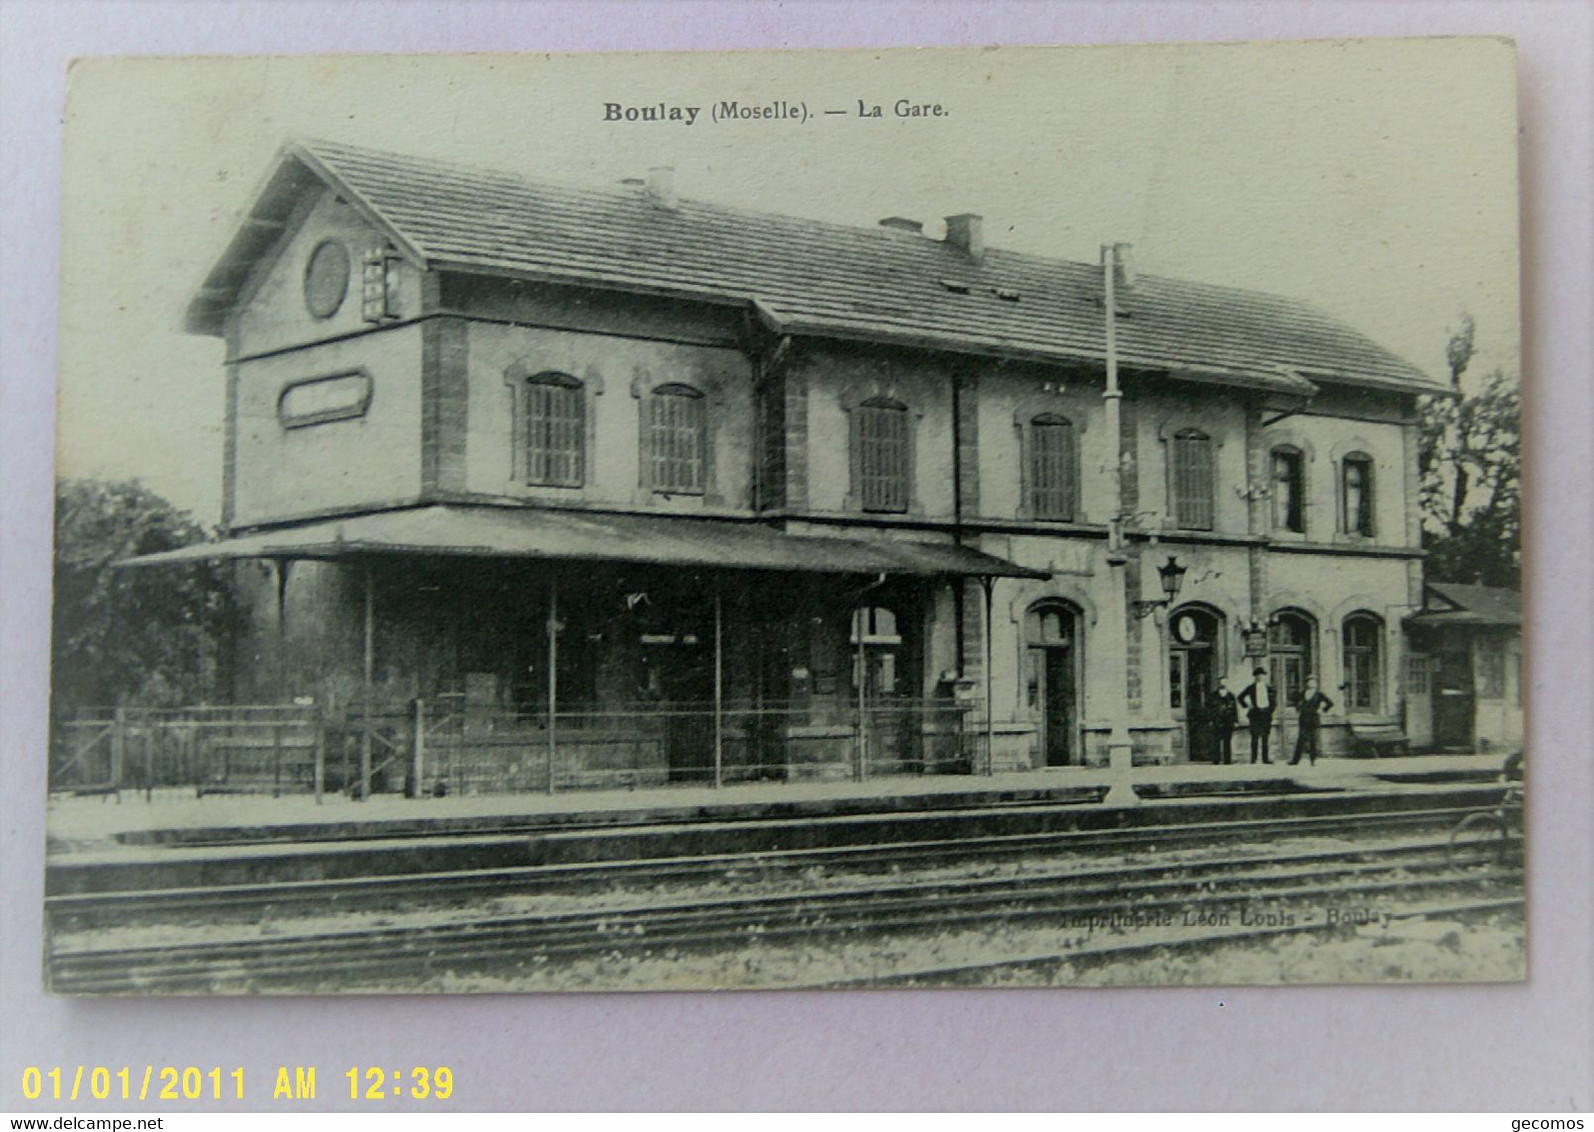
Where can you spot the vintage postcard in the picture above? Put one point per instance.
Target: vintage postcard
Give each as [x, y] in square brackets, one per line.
[1013, 517]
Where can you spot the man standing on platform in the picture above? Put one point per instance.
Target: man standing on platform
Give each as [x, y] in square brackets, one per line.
[1257, 700]
[1225, 715]
[1311, 705]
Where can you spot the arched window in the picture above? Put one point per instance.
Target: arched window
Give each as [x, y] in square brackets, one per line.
[1192, 480]
[1049, 625]
[1292, 647]
[881, 441]
[556, 430]
[1362, 635]
[876, 640]
[1356, 494]
[874, 625]
[1288, 489]
[676, 426]
[1051, 467]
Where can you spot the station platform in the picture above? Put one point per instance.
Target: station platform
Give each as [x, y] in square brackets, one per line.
[171, 819]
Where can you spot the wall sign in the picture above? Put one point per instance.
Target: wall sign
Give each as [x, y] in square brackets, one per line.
[336, 397]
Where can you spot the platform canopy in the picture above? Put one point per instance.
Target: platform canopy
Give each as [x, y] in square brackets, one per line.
[554, 535]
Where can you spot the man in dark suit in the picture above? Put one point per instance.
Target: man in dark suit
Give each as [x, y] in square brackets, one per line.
[1311, 705]
[1225, 716]
[1257, 700]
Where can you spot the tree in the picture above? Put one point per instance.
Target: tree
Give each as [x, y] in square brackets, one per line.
[1470, 460]
[154, 635]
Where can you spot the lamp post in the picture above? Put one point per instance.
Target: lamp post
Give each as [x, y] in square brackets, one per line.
[1171, 575]
[1115, 637]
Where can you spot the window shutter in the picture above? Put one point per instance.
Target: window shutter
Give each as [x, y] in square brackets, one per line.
[882, 431]
[1192, 480]
[1051, 468]
[555, 433]
[676, 439]
[379, 286]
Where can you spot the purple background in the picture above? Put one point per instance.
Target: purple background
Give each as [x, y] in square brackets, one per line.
[1518, 1048]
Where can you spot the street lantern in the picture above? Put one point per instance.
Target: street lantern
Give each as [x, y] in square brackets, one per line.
[1171, 575]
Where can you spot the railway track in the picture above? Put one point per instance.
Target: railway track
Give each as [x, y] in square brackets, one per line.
[1039, 967]
[246, 903]
[1066, 893]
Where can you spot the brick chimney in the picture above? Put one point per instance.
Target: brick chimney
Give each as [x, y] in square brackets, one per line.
[966, 232]
[1123, 266]
[661, 187]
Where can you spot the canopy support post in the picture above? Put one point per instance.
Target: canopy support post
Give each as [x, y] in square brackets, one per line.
[988, 584]
[368, 678]
[418, 750]
[860, 621]
[282, 565]
[553, 675]
[719, 685]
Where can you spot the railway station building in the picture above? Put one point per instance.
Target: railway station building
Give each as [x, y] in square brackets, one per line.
[600, 485]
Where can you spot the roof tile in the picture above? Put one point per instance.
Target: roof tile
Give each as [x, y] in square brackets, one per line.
[818, 277]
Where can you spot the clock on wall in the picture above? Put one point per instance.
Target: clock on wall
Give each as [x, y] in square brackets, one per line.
[1185, 628]
[326, 278]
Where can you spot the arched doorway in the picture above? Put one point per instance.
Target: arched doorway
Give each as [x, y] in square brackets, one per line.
[883, 688]
[1195, 664]
[1051, 638]
[878, 642]
[1292, 657]
[675, 675]
[1292, 637]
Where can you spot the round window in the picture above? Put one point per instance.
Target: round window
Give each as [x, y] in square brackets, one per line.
[326, 279]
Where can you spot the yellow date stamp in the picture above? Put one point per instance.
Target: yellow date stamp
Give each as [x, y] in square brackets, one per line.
[201, 1083]
[130, 1083]
[418, 1083]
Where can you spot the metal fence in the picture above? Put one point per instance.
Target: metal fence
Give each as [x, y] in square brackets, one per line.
[442, 747]
[235, 749]
[470, 750]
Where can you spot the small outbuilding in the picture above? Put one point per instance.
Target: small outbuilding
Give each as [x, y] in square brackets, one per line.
[1464, 669]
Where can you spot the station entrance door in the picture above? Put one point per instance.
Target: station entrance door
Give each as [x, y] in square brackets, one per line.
[1194, 666]
[1051, 637]
[1453, 696]
[882, 682]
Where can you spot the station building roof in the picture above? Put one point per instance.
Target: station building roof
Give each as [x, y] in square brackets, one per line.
[887, 284]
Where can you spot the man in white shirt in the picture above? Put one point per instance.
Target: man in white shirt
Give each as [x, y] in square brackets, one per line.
[1258, 701]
